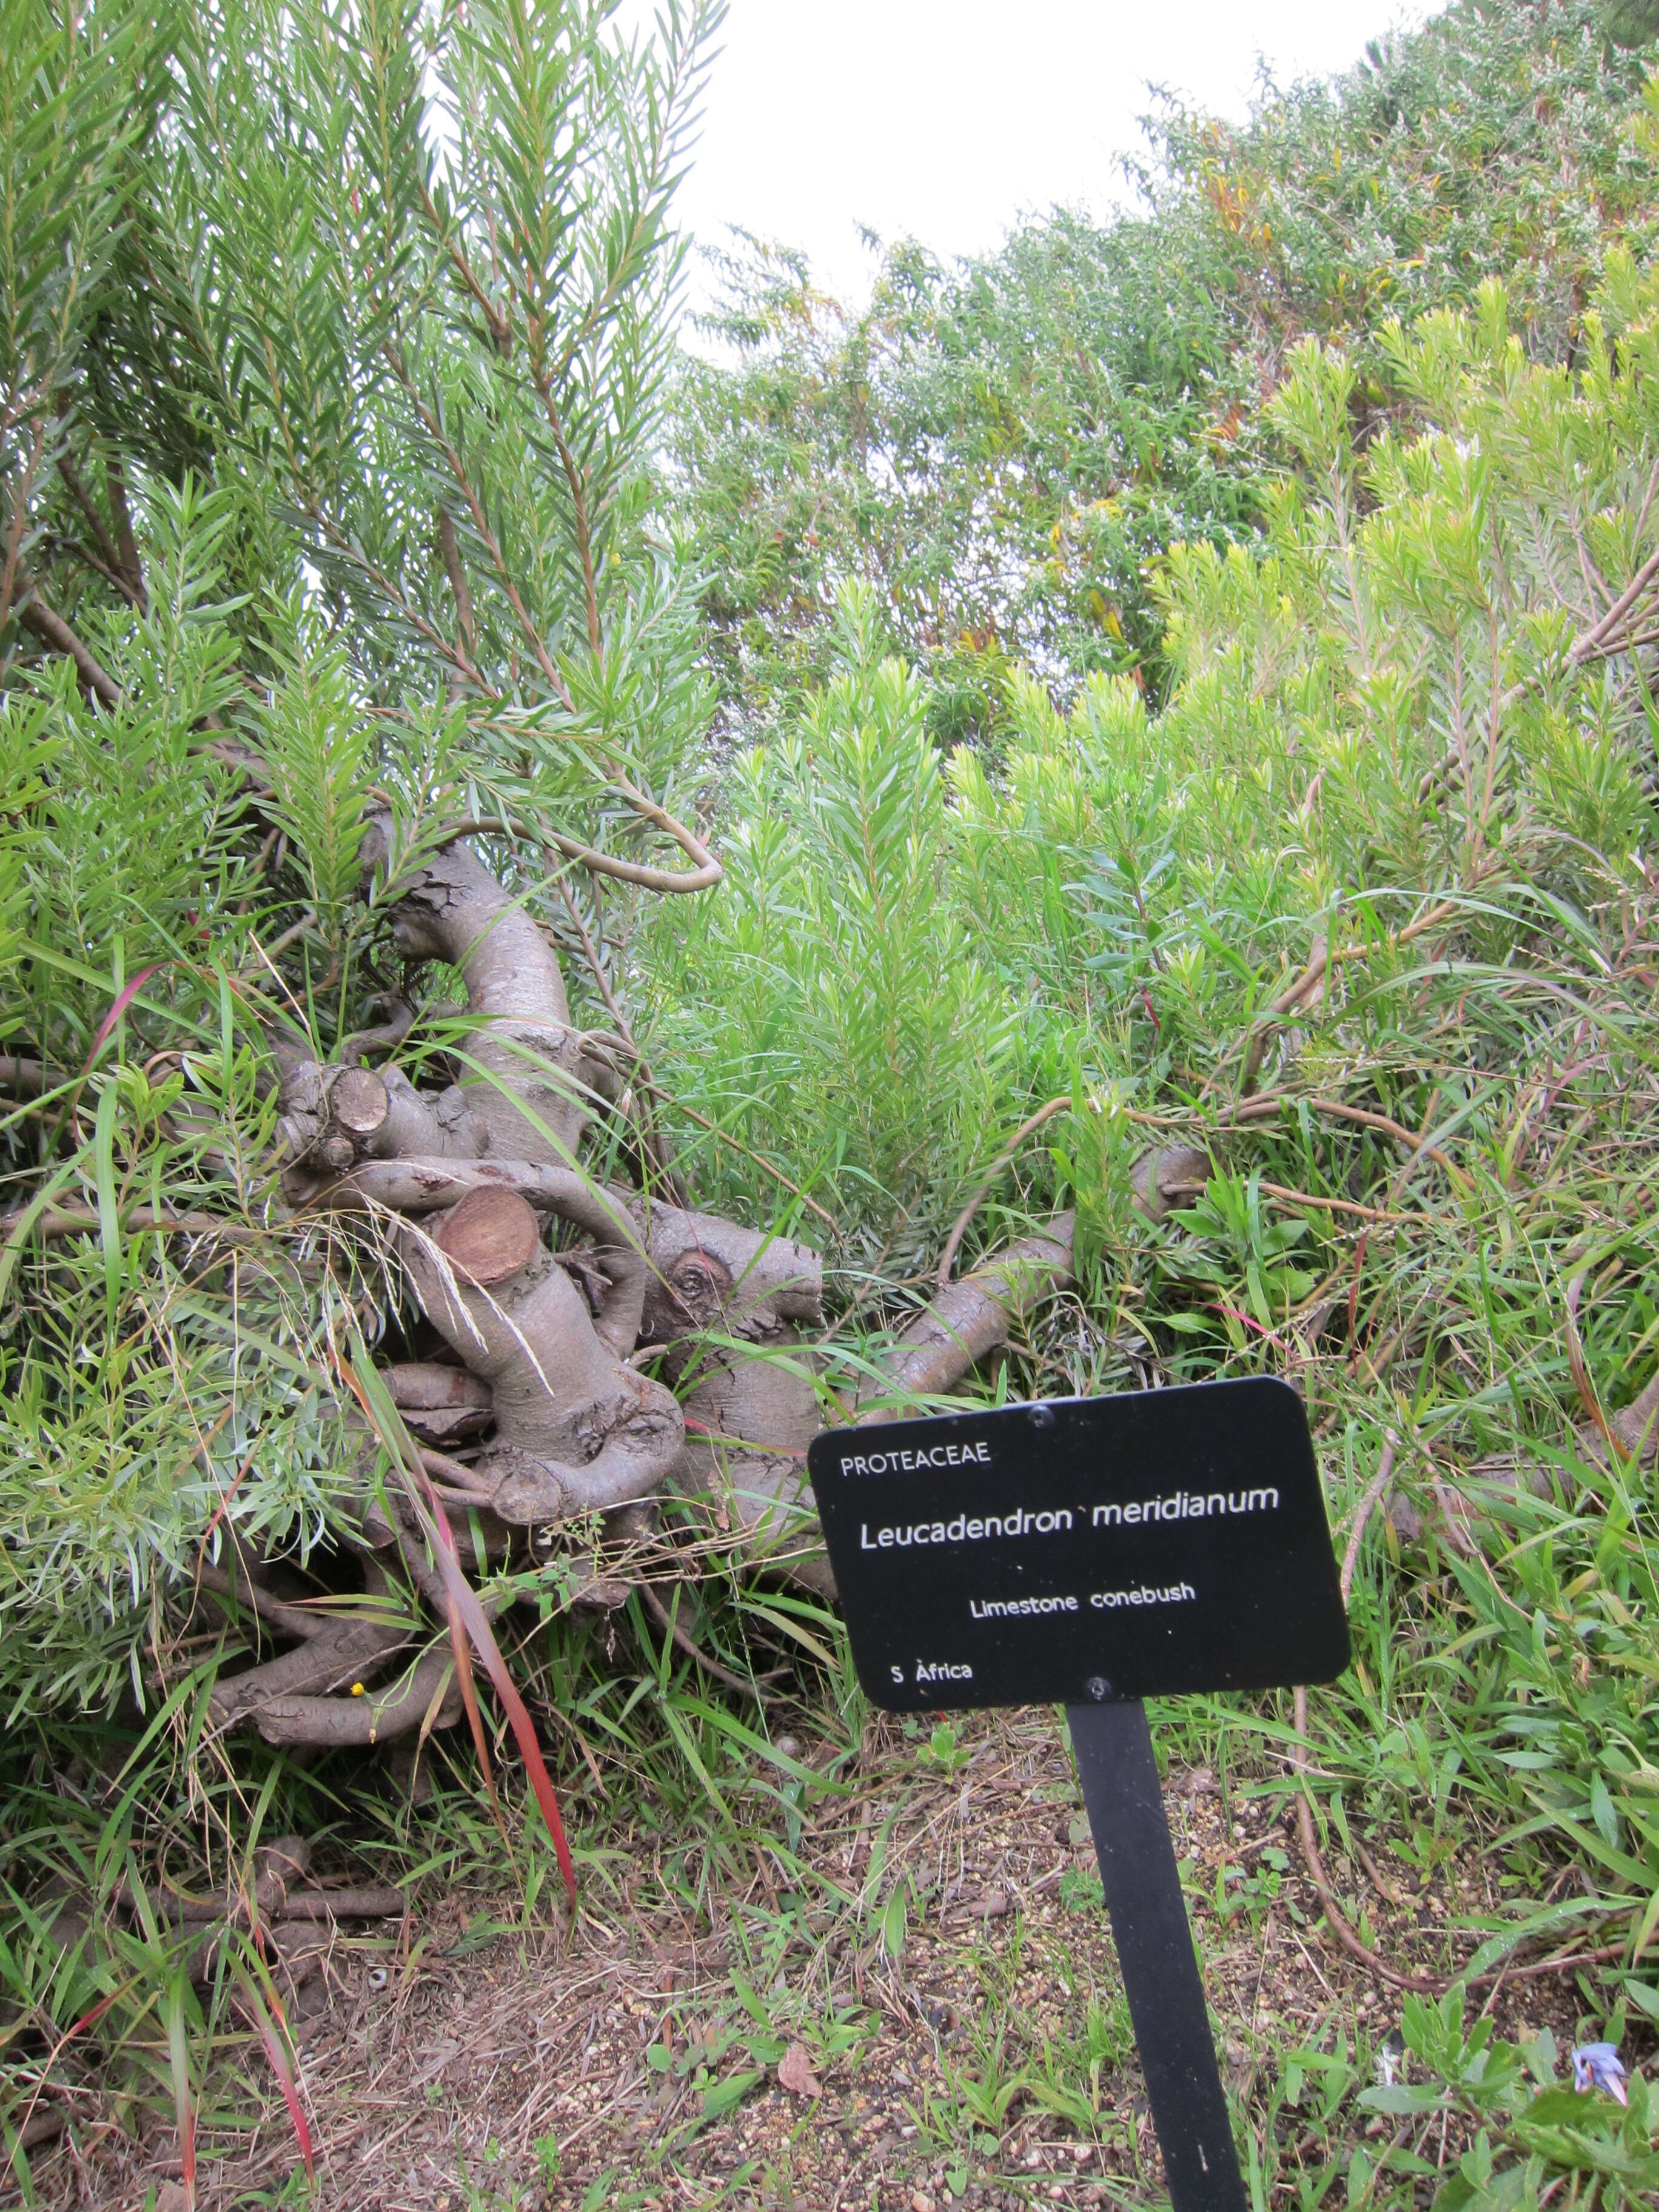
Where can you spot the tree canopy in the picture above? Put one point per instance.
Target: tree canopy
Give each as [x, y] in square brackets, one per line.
[1003, 449]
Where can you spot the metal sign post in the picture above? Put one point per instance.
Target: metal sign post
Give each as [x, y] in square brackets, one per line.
[1138, 1872]
[1091, 1552]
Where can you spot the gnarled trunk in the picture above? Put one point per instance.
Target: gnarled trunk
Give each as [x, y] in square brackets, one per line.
[477, 1180]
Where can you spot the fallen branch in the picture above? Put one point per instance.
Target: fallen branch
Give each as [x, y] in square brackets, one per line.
[971, 1317]
[1028, 1128]
[22, 1078]
[238, 1590]
[1364, 1117]
[82, 1220]
[346, 1904]
[1340, 1206]
[1155, 1178]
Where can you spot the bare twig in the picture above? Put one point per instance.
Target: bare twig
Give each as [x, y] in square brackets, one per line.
[1363, 1116]
[1379, 1484]
[1380, 1882]
[345, 1904]
[89, 559]
[101, 539]
[1598, 643]
[702, 876]
[453, 1471]
[670, 1621]
[457, 583]
[54, 632]
[959, 1227]
[1338, 1205]
[1583, 646]
[131, 568]
[1311, 980]
[295, 931]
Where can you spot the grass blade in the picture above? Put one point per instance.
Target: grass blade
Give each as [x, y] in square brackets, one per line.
[280, 2066]
[183, 2102]
[371, 1393]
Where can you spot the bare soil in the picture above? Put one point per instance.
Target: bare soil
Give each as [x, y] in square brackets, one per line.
[476, 2058]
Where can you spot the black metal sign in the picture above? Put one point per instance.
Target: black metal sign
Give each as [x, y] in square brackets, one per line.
[1091, 1551]
[1144, 1545]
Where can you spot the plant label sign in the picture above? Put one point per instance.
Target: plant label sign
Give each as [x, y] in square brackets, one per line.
[1093, 1552]
[1084, 1548]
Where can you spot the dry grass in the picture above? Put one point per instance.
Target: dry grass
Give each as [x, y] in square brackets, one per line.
[468, 2062]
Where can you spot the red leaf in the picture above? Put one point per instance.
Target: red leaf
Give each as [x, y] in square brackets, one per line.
[465, 1599]
[124, 999]
[280, 2068]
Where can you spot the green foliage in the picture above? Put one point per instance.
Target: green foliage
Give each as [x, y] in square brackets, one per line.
[317, 749]
[1511, 2095]
[1195, 684]
[1365, 912]
[1630, 23]
[1003, 450]
[332, 347]
[853, 1026]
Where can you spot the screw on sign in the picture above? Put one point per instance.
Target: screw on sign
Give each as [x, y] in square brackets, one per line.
[1092, 1552]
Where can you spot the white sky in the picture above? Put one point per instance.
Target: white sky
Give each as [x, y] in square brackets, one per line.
[948, 119]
